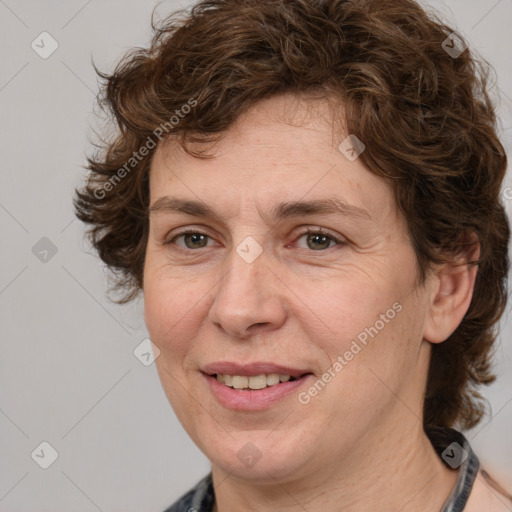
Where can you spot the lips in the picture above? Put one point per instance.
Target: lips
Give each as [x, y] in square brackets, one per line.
[252, 369]
[247, 394]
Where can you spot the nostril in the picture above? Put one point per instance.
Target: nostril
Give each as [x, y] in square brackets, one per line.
[258, 325]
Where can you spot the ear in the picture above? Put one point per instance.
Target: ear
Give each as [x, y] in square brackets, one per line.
[452, 290]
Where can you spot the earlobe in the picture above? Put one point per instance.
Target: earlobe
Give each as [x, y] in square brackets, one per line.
[452, 291]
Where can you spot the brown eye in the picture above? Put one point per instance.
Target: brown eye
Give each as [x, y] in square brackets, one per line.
[317, 240]
[192, 240]
[195, 240]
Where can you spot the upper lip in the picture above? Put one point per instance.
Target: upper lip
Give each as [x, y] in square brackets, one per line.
[256, 368]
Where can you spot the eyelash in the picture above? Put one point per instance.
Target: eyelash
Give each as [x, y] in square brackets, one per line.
[309, 231]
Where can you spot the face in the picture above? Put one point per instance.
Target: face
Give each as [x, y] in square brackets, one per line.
[249, 293]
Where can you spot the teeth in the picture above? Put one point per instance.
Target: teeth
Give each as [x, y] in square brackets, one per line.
[272, 379]
[257, 381]
[252, 382]
[240, 382]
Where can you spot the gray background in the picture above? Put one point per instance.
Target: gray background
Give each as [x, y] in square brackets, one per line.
[68, 375]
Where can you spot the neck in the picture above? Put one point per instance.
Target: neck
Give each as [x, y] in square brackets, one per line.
[398, 471]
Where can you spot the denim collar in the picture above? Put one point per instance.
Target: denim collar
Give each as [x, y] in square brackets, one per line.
[456, 452]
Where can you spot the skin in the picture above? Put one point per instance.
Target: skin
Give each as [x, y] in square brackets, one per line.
[487, 494]
[359, 444]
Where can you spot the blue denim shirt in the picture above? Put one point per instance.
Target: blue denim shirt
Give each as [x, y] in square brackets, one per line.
[453, 448]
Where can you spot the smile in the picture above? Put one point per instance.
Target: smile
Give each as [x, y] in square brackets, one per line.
[254, 381]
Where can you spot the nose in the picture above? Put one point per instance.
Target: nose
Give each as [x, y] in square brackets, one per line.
[247, 300]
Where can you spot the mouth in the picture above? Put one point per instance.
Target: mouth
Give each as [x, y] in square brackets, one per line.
[254, 382]
[255, 386]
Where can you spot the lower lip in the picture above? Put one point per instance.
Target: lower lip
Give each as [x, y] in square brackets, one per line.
[254, 400]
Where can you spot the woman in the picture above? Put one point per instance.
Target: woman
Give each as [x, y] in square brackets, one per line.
[307, 194]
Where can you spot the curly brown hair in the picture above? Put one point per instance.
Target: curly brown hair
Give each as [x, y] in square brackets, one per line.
[423, 113]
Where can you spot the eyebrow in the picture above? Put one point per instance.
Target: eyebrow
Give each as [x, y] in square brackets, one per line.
[290, 209]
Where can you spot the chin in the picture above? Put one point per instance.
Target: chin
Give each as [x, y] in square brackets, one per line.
[259, 456]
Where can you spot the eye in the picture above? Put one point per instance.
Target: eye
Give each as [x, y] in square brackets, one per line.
[192, 240]
[318, 240]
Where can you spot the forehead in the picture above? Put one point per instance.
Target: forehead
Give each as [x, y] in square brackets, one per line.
[284, 149]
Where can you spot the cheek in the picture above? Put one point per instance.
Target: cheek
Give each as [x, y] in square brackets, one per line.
[349, 305]
[369, 317]
[170, 306]
[155, 307]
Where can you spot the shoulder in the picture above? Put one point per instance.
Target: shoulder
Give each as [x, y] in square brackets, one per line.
[476, 490]
[487, 494]
[198, 499]
[183, 504]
